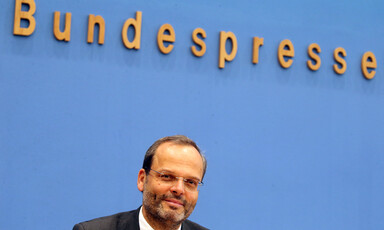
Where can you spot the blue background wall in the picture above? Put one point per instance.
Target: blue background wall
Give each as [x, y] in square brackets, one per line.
[286, 148]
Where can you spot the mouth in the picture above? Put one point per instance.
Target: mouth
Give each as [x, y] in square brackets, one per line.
[174, 203]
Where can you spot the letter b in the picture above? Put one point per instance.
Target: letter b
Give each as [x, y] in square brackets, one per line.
[26, 15]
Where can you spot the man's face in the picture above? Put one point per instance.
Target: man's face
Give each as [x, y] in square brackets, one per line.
[170, 202]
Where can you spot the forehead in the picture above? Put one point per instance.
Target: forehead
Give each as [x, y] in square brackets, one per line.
[184, 160]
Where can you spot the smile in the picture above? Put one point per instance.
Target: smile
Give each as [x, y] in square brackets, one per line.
[174, 203]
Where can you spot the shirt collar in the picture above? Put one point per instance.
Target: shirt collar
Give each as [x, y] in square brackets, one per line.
[143, 222]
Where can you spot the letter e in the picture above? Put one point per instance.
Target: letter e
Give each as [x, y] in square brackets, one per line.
[161, 38]
[282, 53]
[368, 61]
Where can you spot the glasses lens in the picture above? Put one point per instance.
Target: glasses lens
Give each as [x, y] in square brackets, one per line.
[191, 185]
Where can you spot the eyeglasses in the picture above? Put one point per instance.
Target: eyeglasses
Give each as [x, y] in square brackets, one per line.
[191, 185]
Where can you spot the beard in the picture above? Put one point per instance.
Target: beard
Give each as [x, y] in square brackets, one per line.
[154, 206]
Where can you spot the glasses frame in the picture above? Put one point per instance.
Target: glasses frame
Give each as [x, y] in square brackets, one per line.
[185, 180]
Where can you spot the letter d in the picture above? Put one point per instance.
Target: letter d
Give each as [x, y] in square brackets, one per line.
[136, 23]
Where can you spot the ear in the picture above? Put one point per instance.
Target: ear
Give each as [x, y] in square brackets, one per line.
[141, 180]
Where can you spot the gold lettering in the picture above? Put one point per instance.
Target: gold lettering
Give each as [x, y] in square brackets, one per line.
[92, 21]
[66, 35]
[336, 55]
[136, 23]
[368, 61]
[161, 38]
[314, 56]
[257, 42]
[223, 55]
[282, 52]
[26, 15]
[199, 42]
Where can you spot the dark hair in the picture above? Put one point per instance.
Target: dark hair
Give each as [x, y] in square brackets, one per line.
[176, 139]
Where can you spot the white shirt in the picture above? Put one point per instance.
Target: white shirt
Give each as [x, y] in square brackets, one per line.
[144, 224]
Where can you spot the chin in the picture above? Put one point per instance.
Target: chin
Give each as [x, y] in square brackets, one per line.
[172, 214]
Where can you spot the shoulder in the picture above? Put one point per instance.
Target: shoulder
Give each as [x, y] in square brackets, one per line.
[123, 220]
[189, 225]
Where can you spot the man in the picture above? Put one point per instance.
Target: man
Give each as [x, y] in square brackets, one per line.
[173, 170]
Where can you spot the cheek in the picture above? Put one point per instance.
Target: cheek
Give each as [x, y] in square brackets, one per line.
[192, 198]
[157, 188]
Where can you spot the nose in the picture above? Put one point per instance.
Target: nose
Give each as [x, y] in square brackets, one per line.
[178, 187]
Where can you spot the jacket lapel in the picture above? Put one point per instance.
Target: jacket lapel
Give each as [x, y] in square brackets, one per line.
[130, 221]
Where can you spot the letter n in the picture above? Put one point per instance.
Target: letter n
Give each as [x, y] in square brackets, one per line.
[92, 21]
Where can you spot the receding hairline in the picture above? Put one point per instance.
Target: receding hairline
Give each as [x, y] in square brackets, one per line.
[170, 143]
[180, 140]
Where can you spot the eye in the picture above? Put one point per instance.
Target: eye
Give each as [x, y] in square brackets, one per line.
[191, 182]
[167, 177]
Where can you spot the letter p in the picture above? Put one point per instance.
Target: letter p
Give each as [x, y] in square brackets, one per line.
[223, 55]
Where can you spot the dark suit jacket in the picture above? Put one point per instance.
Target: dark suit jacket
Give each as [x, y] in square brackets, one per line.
[125, 221]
